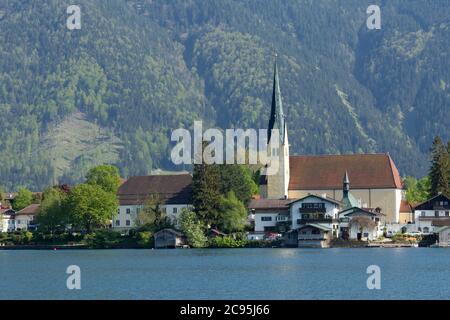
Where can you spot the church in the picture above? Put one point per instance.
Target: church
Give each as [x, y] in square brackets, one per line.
[375, 180]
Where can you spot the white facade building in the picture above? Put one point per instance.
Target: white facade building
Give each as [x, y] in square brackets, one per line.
[314, 209]
[7, 221]
[432, 214]
[173, 191]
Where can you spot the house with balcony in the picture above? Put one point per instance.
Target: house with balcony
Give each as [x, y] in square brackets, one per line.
[269, 216]
[317, 210]
[432, 214]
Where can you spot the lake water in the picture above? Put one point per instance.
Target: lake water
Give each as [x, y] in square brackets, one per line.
[406, 273]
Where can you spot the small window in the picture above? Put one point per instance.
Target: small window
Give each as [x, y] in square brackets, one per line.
[118, 211]
[446, 213]
[128, 222]
[175, 210]
[128, 211]
[423, 214]
[266, 218]
[117, 223]
[436, 213]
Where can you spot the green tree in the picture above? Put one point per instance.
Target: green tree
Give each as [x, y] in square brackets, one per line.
[232, 214]
[192, 228]
[152, 214]
[52, 213]
[439, 171]
[417, 190]
[105, 176]
[206, 192]
[23, 199]
[90, 207]
[237, 178]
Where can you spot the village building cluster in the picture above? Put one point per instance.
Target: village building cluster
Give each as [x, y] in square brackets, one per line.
[310, 201]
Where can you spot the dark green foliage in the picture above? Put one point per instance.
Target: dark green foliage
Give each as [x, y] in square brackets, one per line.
[440, 168]
[239, 180]
[133, 75]
[53, 213]
[206, 192]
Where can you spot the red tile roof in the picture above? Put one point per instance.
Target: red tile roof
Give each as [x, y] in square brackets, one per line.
[31, 210]
[366, 171]
[173, 189]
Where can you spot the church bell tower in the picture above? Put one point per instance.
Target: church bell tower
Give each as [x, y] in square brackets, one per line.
[278, 184]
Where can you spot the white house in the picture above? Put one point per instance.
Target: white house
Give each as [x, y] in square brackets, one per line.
[174, 192]
[7, 221]
[361, 224]
[26, 218]
[318, 210]
[269, 215]
[431, 214]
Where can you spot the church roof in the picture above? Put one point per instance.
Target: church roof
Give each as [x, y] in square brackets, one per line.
[367, 171]
[350, 201]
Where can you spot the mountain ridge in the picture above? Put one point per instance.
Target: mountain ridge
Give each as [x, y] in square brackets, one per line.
[141, 69]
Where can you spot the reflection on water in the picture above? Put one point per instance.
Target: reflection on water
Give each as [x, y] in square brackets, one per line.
[227, 274]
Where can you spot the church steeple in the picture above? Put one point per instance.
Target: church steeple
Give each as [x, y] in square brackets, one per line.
[277, 117]
[348, 199]
[346, 185]
[278, 183]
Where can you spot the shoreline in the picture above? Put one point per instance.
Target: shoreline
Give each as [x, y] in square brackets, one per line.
[87, 247]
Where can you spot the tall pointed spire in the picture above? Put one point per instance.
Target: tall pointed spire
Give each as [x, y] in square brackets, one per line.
[346, 184]
[348, 199]
[277, 117]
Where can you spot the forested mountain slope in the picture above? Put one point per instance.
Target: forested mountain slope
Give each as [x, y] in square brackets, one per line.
[114, 90]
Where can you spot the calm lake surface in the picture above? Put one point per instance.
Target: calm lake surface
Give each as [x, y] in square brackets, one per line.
[406, 273]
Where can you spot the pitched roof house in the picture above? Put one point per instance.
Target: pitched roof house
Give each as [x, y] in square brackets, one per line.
[174, 191]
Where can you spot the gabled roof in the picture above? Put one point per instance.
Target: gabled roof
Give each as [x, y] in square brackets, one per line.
[318, 197]
[355, 211]
[315, 225]
[173, 189]
[32, 209]
[428, 204]
[367, 171]
[7, 211]
[270, 204]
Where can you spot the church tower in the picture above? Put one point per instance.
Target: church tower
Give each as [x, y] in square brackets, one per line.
[348, 199]
[278, 184]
